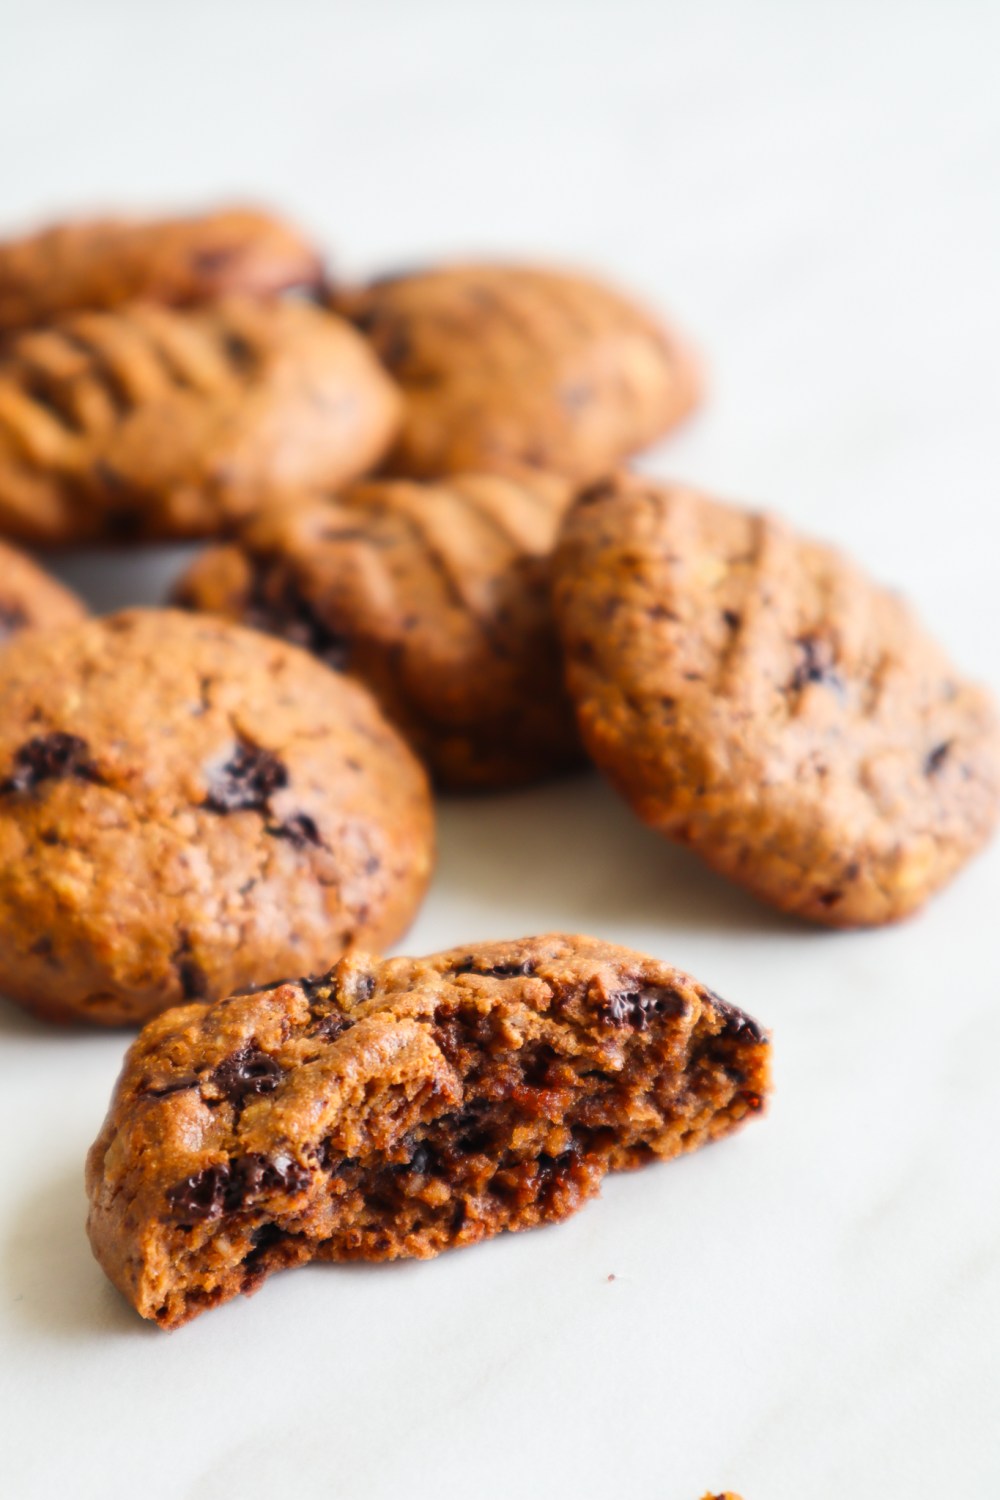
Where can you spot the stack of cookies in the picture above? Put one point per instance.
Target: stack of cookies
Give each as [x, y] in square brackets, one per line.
[428, 567]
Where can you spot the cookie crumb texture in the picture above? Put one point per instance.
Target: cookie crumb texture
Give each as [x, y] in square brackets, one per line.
[148, 422]
[402, 1108]
[756, 696]
[89, 264]
[510, 365]
[434, 595]
[186, 806]
[30, 598]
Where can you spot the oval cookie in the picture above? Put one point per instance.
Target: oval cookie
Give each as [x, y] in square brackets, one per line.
[756, 696]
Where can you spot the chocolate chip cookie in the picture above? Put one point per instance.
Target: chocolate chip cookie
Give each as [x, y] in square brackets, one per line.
[436, 596]
[30, 598]
[186, 806]
[756, 696]
[91, 264]
[506, 365]
[402, 1108]
[152, 422]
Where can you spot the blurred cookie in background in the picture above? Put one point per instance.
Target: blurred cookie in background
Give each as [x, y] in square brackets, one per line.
[98, 264]
[506, 364]
[151, 422]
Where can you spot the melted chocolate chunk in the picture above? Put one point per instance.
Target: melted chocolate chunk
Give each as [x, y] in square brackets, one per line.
[635, 1007]
[249, 1071]
[247, 781]
[817, 663]
[230, 1186]
[319, 986]
[738, 1024]
[200, 1196]
[522, 970]
[48, 757]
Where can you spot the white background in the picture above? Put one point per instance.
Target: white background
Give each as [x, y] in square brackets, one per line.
[813, 1309]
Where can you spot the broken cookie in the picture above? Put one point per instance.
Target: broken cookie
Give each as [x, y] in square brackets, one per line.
[402, 1108]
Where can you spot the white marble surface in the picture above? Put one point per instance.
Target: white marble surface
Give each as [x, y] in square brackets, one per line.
[812, 1309]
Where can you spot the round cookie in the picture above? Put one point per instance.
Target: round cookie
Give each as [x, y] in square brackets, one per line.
[508, 365]
[151, 422]
[187, 806]
[756, 696]
[30, 598]
[436, 596]
[402, 1108]
[102, 263]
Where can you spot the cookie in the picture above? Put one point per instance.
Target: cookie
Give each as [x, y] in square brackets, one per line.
[30, 598]
[150, 422]
[402, 1108]
[187, 806]
[98, 264]
[506, 365]
[756, 696]
[436, 596]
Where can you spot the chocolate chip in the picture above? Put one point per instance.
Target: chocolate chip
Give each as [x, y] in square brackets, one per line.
[239, 351]
[635, 1007]
[249, 1071]
[201, 1196]
[278, 607]
[319, 986]
[937, 757]
[247, 781]
[194, 980]
[299, 829]
[49, 757]
[12, 619]
[737, 1023]
[594, 492]
[364, 987]
[206, 262]
[522, 969]
[732, 619]
[254, 1174]
[817, 663]
[330, 1027]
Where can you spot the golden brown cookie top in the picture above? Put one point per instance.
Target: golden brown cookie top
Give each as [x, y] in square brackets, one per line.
[185, 806]
[403, 1107]
[101, 263]
[150, 421]
[754, 694]
[434, 595]
[508, 365]
[31, 598]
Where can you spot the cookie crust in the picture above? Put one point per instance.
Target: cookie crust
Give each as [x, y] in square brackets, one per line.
[186, 806]
[402, 1108]
[756, 696]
